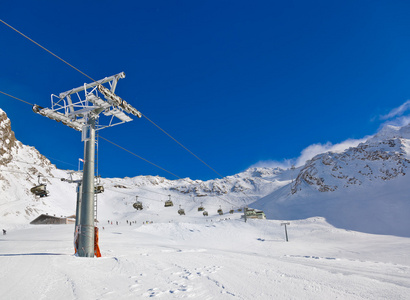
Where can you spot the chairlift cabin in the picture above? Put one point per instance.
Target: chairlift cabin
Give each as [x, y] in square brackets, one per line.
[181, 211]
[169, 202]
[98, 189]
[138, 204]
[205, 213]
[220, 210]
[231, 211]
[40, 189]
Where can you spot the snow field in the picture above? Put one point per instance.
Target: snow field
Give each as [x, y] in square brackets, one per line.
[222, 259]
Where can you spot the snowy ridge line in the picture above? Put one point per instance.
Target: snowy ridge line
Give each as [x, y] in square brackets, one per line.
[363, 188]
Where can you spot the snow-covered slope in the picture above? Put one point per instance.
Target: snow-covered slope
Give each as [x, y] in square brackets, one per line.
[20, 166]
[226, 259]
[365, 188]
[232, 192]
[157, 252]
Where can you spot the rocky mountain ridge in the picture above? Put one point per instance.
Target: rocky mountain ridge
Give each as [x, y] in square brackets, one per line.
[382, 157]
[372, 176]
[20, 166]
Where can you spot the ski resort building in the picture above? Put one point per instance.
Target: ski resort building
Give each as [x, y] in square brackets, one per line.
[254, 214]
[47, 219]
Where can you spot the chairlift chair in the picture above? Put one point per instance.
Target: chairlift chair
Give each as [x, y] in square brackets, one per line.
[220, 210]
[205, 213]
[40, 189]
[98, 189]
[181, 211]
[138, 204]
[168, 202]
[201, 208]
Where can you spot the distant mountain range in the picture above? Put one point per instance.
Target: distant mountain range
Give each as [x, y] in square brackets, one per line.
[364, 188]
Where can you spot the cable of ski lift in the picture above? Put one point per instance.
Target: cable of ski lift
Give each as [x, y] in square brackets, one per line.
[111, 143]
[48, 157]
[132, 154]
[120, 183]
[139, 157]
[26, 173]
[31, 40]
[131, 195]
[138, 115]
[17, 98]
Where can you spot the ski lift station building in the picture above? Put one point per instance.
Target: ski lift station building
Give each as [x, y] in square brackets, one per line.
[47, 219]
[254, 214]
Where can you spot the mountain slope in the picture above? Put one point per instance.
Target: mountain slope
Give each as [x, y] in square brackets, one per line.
[364, 188]
[20, 166]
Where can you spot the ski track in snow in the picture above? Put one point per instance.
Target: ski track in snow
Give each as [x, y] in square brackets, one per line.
[225, 260]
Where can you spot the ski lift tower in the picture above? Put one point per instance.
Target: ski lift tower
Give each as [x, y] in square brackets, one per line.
[82, 113]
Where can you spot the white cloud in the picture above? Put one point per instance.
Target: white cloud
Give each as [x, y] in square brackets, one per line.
[315, 149]
[285, 164]
[396, 117]
[398, 111]
[400, 121]
[309, 152]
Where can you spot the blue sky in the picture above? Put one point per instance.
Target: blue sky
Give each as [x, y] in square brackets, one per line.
[237, 82]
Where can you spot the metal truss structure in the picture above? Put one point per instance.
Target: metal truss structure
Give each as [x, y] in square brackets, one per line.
[83, 114]
[73, 110]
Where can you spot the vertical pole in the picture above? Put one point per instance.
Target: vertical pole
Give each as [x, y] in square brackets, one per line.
[78, 208]
[286, 231]
[86, 230]
[245, 209]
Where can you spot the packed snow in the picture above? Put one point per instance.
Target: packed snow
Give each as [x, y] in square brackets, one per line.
[348, 235]
[205, 258]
